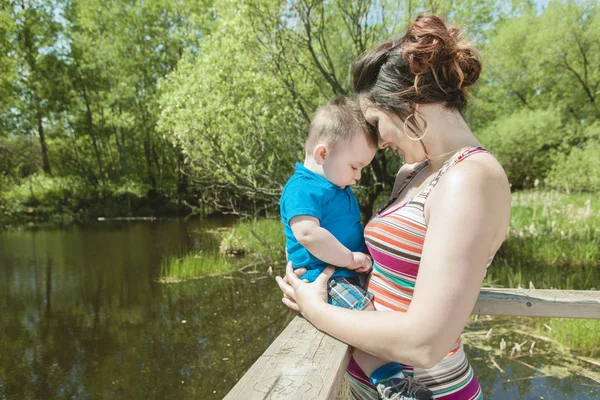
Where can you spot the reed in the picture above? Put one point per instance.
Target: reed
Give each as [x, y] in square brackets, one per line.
[553, 228]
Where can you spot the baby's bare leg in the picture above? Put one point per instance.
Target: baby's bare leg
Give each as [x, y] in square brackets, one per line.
[388, 374]
[349, 294]
[368, 362]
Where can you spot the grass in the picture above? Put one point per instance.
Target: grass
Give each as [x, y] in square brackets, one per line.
[262, 240]
[553, 243]
[580, 336]
[505, 272]
[257, 244]
[65, 200]
[554, 228]
[573, 337]
[526, 352]
[191, 266]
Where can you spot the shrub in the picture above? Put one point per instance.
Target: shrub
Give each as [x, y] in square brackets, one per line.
[526, 144]
[577, 171]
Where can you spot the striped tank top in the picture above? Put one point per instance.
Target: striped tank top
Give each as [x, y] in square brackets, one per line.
[395, 240]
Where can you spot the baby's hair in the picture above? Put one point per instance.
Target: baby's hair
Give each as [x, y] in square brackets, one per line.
[338, 121]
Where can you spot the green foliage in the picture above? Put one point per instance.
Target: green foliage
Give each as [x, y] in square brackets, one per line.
[233, 120]
[67, 199]
[211, 102]
[580, 336]
[550, 345]
[261, 240]
[119, 53]
[577, 171]
[81, 79]
[538, 100]
[555, 228]
[263, 237]
[541, 60]
[8, 70]
[525, 143]
[19, 157]
[42, 196]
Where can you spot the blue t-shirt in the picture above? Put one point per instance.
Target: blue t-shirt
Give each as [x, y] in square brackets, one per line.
[307, 193]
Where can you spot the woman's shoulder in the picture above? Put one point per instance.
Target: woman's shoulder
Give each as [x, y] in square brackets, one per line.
[477, 185]
[479, 170]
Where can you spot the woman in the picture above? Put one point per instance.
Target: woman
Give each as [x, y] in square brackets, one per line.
[446, 218]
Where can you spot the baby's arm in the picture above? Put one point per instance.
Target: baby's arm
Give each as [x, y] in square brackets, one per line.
[323, 245]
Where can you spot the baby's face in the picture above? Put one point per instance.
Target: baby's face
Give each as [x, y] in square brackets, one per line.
[342, 167]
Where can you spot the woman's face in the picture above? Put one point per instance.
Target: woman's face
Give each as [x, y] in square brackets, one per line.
[390, 131]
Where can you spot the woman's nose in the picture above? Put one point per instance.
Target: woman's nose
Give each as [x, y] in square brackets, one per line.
[382, 144]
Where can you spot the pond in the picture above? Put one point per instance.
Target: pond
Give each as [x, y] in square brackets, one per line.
[82, 317]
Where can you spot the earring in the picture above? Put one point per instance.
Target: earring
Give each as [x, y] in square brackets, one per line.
[414, 115]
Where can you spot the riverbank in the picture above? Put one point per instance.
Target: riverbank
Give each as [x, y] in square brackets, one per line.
[66, 200]
[514, 349]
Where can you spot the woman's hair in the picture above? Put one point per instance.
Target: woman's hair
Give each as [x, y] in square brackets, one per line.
[338, 121]
[431, 63]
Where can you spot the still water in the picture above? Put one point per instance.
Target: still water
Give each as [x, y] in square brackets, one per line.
[82, 317]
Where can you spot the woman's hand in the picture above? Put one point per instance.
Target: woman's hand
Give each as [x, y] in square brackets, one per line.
[299, 295]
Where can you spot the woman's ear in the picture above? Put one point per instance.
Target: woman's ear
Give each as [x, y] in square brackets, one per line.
[320, 153]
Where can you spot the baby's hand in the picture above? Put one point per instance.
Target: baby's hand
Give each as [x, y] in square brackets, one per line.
[362, 262]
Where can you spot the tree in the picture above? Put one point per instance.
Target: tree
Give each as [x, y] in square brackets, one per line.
[119, 52]
[32, 42]
[301, 50]
[235, 124]
[540, 88]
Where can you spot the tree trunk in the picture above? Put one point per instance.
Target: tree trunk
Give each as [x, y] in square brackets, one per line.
[41, 135]
[148, 156]
[90, 123]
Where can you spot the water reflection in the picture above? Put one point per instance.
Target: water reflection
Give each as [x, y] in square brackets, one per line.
[82, 317]
[543, 374]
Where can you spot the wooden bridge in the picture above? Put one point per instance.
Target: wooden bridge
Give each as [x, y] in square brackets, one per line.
[306, 364]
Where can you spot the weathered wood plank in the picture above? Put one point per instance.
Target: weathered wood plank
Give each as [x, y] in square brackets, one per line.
[539, 303]
[302, 363]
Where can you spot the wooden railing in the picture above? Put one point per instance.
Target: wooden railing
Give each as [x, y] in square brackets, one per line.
[305, 364]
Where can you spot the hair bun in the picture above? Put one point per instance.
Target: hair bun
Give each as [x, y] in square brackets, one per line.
[431, 45]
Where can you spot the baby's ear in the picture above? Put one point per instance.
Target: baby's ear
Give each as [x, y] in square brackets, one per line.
[320, 153]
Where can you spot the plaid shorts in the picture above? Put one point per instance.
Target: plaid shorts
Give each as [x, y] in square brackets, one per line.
[348, 293]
